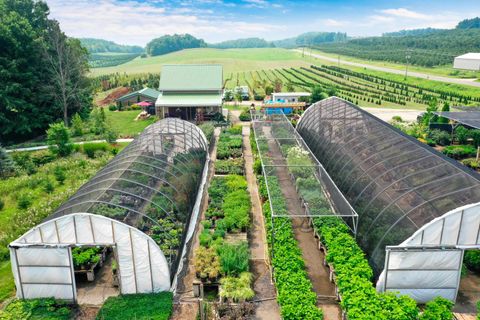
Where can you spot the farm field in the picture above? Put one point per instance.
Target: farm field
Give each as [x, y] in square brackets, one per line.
[233, 60]
[446, 70]
[366, 90]
[110, 59]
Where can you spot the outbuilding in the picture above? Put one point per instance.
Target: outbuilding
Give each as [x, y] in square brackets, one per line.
[145, 94]
[469, 61]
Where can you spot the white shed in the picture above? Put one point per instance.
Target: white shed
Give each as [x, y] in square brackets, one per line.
[289, 96]
[468, 61]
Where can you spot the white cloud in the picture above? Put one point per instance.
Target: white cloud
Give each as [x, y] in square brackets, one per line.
[405, 13]
[333, 23]
[134, 22]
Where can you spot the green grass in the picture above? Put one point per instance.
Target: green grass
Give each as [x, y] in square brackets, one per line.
[446, 71]
[155, 306]
[233, 60]
[124, 122]
[7, 286]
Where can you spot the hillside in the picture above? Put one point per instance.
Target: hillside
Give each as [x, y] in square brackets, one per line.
[233, 60]
[426, 47]
[100, 45]
[242, 43]
[311, 39]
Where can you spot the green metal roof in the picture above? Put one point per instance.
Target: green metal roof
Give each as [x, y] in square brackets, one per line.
[191, 77]
[151, 93]
[189, 100]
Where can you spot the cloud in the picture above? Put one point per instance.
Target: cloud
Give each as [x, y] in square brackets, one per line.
[135, 22]
[333, 23]
[405, 13]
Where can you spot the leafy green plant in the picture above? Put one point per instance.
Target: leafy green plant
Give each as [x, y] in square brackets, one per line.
[438, 309]
[442, 138]
[141, 306]
[59, 174]
[77, 125]
[229, 166]
[472, 163]
[24, 200]
[207, 262]
[234, 258]
[58, 139]
[462, 134]
[237, 289]
[92, 147]
[36, 309]
[48, 186]
[472, 260]
[245, 116]
[85, 257]
[459, 151]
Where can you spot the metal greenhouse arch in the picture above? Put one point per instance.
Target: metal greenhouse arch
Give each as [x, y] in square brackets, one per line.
[144, 203]
[400, 189]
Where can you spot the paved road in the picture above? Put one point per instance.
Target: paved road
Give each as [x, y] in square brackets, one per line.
[468, 82]
[46, 147]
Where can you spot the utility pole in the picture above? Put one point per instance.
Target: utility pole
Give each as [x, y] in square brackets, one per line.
[407, 59]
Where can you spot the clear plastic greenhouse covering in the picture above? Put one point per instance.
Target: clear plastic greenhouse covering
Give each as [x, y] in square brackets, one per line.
[396, 184]
[144, 202]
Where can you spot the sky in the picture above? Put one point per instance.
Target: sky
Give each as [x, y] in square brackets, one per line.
[136, 22]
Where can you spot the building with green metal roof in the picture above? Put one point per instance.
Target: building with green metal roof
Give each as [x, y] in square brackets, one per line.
[190, 91]
[145, 94]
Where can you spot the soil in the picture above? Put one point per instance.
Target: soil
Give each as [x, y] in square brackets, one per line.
[468, 294]
[110, 98]
[266, 307]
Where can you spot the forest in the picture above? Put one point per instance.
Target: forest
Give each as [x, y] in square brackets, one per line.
[424, 47]
[242, 43]
[43, 77]
[100, 45]
[172, 43]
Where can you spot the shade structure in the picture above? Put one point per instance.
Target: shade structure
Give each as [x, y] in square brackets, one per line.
[144, 203]
[396, 184]
[144, 104]
[468, 118]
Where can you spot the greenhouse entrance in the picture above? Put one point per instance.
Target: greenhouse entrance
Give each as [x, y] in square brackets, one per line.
[96, 274]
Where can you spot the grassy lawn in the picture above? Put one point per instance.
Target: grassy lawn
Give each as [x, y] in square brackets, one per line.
[124, 122]
[7, 286]
[446, 71]
[233, 60]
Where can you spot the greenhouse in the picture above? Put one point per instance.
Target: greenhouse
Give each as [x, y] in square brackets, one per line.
[143, 204]
[418, 210]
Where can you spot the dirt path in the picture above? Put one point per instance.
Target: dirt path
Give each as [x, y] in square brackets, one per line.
[313, 257]
[185, 304]
[263, 285]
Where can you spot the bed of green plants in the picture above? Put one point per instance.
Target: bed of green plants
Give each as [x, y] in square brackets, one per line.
[49, 309]
[142, 306]
[85, 257]
[228, 212]
[229, 166]
[230, 143]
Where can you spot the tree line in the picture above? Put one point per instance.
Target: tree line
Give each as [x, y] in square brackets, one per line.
[43, 72]
[425, 47]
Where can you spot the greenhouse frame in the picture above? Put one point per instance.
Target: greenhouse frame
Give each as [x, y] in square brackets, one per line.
[144, 204]
[418, 209]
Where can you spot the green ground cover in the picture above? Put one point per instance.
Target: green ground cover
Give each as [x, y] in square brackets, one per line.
[37, 309]
[154, 306]
[124, 122]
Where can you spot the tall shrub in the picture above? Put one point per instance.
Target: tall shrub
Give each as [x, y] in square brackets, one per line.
[58, 139]
[7, 166]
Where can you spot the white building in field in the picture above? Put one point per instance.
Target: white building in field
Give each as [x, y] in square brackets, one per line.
[288, 96]
[468, 61]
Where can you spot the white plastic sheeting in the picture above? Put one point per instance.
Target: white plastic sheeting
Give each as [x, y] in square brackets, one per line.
[428, 264]
[43, 254]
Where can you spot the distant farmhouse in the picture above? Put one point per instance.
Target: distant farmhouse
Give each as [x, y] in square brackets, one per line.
[146, 94]
[190, 92]
[469, 61]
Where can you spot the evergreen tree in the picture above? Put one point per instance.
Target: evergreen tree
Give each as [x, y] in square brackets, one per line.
[7, 165]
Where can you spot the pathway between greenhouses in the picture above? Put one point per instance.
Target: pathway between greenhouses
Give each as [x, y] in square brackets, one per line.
[318, 273]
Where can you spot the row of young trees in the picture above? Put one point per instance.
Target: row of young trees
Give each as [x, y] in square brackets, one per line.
[43, 76]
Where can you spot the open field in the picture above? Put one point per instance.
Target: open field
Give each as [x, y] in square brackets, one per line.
[233, 60]
[124, 122]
